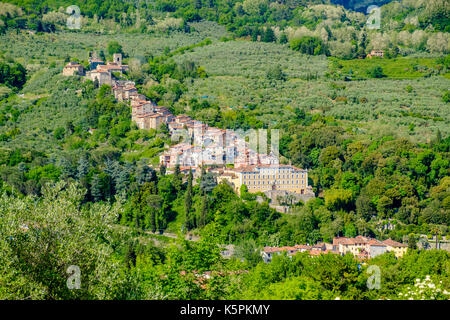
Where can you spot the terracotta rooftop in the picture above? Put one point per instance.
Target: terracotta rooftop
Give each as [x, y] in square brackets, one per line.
[392, 243]
[377, 243]
[110, 67]
[289, 248]
[342, 240]
[316, 252]
[303, 246]
[271, 249]
[99, 71]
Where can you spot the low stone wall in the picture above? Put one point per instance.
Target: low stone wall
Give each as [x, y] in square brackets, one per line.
[277, 196]
[429, 244]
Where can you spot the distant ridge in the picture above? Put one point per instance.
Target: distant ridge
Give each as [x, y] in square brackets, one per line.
[360, 5]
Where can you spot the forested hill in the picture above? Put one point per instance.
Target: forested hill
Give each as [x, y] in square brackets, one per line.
[357, 5]
[237, 15]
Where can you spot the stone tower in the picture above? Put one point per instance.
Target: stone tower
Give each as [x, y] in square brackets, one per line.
[117, 58]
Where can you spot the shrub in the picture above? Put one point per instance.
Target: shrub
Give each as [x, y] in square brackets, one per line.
[375, 72]
[309, 45]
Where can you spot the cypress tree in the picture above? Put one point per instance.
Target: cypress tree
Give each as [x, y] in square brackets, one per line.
[269, 35]
[188, 203]
[130, 256]
[203, 211]
[207, 182]
[255, 34]
[122, 180]
[438, 137]
[177, 179]
[412, 242]
[96, 188]
[154, 203]
[83, 170]
[162, 170]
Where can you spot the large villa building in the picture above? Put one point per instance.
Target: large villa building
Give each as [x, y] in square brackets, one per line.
[261, 178]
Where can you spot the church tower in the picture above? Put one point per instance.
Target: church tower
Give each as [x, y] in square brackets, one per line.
[117, 58]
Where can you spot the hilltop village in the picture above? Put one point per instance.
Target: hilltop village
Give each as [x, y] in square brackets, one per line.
[230, 157]
[225, 153]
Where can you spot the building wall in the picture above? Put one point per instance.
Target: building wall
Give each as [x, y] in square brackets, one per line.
[155, 122]
[103, 78]
[117, 58]
[283, 178]
[72, 71]
[398, 251]
[376, 250]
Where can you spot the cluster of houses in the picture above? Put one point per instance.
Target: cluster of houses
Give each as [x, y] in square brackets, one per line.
[200, 145]
[99, 71]
[204, 145]
[217, 148]
[103, 73]
[362, 248]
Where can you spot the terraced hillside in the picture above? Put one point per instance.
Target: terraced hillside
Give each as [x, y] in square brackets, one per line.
[399, 104]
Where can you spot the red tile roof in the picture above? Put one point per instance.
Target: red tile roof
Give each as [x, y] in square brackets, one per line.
[377, 243]
[392, 243]
[303, 246]
[316, 252]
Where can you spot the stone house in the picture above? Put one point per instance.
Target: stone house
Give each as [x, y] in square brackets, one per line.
[72, 69]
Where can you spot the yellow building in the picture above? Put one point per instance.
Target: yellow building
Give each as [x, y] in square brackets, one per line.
[261, 178]
[371, 246]
[398, 248]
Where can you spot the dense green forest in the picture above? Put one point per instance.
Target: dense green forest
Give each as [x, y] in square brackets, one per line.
[373, 133]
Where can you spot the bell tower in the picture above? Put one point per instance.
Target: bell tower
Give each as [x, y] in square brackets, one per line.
[117, 58]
